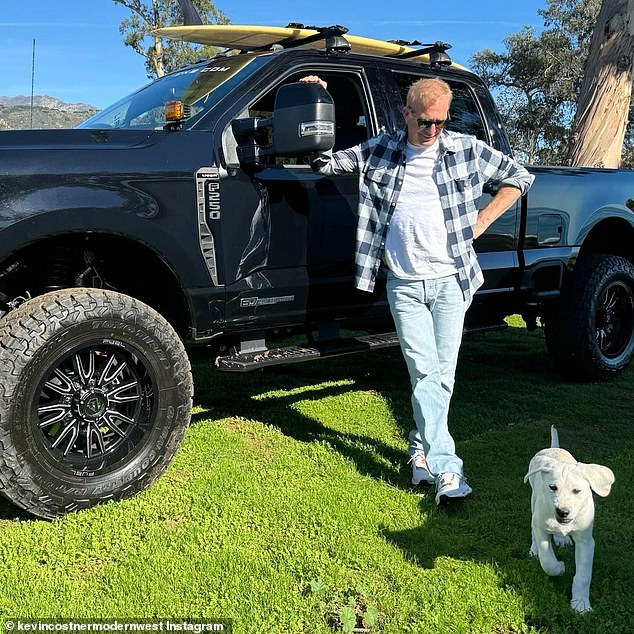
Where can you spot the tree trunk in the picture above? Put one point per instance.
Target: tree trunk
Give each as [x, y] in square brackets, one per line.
[157, 61]
[157, 57]
[604, 98]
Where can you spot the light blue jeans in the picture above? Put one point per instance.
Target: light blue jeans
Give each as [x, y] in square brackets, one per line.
[429, 319]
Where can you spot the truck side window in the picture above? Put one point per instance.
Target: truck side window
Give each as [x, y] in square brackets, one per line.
[350, 111]
[465, 114]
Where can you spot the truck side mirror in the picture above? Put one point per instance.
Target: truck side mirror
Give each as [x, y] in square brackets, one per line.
[303, 122]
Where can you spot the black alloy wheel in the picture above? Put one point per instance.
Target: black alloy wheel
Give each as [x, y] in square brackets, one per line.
[590, 331]
[95, 396]
[615, 319]
[94, 406]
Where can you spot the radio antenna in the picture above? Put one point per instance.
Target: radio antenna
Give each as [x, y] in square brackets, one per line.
[32, 81]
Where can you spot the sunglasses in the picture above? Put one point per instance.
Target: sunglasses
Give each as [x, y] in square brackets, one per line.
[428, 123]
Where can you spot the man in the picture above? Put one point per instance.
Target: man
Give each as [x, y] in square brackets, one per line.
[418, 214]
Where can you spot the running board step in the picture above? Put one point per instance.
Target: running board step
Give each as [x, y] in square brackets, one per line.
[246, 361]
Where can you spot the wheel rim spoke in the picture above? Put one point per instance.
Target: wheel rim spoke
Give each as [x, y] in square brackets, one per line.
[85, 373]
[62, 412]
[71, 429]
[111, 415]
[63, 385]
[117, 396]
[111, 371]
[94, 432]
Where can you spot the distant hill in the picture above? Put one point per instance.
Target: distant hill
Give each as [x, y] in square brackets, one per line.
[48, 112]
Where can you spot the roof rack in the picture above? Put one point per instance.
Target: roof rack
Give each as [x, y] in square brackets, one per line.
[333, 36]
[437, 51]
[336, 42]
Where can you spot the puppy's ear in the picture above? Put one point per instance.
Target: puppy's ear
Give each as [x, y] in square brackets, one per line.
[539, 463]
[600, 478]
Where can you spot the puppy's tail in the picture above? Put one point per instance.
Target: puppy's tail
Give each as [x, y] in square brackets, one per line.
[554, 437]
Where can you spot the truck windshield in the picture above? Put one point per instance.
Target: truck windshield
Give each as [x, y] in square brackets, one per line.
[200, 87]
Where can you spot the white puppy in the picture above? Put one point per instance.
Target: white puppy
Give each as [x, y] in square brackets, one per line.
[562, 508]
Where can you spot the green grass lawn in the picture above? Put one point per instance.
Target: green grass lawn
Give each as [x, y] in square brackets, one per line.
[288, 508]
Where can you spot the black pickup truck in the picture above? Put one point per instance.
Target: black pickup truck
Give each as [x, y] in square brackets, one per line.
[141, 234]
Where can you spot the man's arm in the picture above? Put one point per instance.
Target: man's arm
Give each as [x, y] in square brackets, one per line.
[505, 197]
[513, 179]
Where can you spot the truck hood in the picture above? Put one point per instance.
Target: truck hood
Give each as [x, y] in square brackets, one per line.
[73, 139]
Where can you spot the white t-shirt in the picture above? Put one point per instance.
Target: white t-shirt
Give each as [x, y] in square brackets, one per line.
[416, 246]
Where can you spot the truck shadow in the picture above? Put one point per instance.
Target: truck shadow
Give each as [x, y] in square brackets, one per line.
[505, 381]
[230, 396]
[509, 393]
[486, 359]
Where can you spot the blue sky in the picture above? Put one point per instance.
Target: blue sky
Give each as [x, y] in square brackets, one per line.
[80, 55]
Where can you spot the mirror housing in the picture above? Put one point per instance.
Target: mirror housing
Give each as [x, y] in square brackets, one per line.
[303, 123]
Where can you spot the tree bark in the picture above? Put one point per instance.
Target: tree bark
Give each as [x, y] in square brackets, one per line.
[604, 98]
[157, 57]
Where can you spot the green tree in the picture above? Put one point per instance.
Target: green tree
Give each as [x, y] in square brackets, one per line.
[532, 93]
[575, 20]
[161, 57]
[536, 80]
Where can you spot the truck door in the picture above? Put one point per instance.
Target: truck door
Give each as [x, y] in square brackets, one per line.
[293, 230]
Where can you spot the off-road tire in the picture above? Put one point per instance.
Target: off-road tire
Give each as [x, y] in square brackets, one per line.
[95, 396]
[590, 332]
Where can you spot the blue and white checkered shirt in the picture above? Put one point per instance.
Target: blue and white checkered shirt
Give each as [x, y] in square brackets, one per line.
[466, 165]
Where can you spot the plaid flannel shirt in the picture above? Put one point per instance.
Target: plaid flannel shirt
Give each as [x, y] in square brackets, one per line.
[466, 165]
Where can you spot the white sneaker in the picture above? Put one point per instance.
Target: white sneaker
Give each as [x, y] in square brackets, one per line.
[450, 486]
[420, 470]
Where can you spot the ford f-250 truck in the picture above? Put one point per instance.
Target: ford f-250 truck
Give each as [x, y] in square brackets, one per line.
[141, 234]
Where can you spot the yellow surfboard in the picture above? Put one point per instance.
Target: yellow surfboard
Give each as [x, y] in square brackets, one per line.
[248, 38]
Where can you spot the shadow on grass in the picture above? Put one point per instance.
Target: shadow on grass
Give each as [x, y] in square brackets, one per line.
[456, 532]
[234, 396]
[502, 380]
[506, 397]
[9, 512]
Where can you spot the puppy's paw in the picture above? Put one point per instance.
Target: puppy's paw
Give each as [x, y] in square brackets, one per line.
[563, 541]
[555, 569]
[581, 605]
[533, 551]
